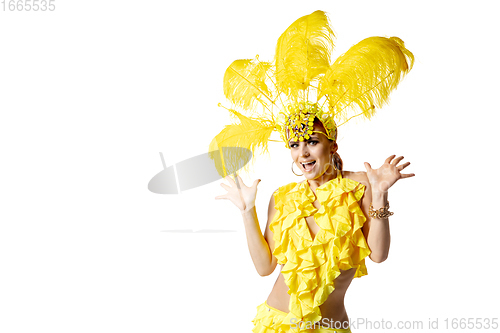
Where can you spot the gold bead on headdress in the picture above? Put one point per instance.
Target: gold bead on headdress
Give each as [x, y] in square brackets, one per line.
[300, 122]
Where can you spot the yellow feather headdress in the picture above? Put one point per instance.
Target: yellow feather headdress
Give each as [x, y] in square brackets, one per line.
[302, 84]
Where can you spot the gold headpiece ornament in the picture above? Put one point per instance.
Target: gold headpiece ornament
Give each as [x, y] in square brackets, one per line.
[302, 84]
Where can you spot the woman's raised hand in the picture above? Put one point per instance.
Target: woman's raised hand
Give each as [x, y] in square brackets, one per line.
[240, 194]
[383, 178]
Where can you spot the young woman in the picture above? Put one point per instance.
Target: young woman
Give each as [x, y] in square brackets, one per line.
[321, 229]
[322, 170]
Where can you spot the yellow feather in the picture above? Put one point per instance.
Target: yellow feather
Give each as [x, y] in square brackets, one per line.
[244, 83]
[302, 53]
[364, 76]
[250, 134]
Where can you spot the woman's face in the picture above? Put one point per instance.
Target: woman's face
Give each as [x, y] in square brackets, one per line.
[318, 150]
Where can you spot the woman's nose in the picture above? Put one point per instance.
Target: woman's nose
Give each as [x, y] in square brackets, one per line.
[303, 151]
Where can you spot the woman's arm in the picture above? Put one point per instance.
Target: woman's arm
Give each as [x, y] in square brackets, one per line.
[377, 182]
[376, 231]
[260, 247]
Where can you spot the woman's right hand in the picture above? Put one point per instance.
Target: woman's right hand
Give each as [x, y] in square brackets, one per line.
[243, 197]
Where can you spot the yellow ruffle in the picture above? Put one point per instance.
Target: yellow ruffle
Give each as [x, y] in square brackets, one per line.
[312, 266]
[268, 321]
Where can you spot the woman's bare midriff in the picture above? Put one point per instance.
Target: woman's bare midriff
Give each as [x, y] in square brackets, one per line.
[332, 310]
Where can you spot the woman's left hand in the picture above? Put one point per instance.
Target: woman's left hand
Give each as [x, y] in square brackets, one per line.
[383, 178]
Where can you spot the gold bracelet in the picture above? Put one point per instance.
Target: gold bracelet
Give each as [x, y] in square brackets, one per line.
[380, 213]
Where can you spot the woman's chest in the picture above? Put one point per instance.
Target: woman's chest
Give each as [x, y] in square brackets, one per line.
[311, 223]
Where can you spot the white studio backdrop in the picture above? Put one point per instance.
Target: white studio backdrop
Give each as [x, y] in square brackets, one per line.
[92, 92]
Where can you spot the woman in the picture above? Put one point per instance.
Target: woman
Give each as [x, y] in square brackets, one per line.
[376, 182]
[319, 230]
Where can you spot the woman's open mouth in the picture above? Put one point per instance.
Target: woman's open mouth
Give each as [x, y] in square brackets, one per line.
[308, 166]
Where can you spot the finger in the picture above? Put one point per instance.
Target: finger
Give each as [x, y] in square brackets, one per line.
[230, 180]
[397, 160]
[220, 197]
[402, 166]
[256, 182]
[239, 182]
[407, 175]
[368, 167]
[226, 187]
[388, 160]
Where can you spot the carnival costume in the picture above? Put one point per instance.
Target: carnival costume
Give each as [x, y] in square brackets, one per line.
[287, 95]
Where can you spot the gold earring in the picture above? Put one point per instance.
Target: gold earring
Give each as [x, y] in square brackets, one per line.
[294, 171]
[333, 163]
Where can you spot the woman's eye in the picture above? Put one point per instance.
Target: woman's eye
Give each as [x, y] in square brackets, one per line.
[293, 145]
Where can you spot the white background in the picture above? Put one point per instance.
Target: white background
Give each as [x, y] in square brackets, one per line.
[92, 92]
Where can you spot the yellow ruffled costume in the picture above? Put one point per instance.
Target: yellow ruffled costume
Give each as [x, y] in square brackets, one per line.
[311, 266]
